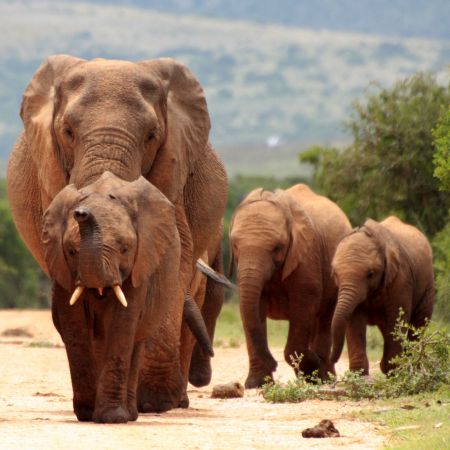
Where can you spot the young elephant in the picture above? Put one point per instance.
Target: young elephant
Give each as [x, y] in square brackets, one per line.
[380, 268]
[282, 244]
[112, 239]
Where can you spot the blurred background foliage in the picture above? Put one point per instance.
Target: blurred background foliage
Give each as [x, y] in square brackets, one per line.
[398, 162]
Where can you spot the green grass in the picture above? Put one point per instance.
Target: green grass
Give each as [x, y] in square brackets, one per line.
[417, 422]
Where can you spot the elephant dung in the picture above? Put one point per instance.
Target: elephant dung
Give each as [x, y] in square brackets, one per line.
[229, 390]
[324, 429]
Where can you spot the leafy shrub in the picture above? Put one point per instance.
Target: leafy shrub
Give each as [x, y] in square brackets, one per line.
[422, 366]
[441, 253]
[441, 158]
[424, 363]
[388, 168]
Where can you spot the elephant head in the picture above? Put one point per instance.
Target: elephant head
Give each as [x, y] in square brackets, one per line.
[365, 262]
[82, 118]
[108, 231]
[267, 239]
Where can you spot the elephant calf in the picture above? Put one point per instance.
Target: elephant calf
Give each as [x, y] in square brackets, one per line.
[282, 243]
[111, 239]
[380, 268]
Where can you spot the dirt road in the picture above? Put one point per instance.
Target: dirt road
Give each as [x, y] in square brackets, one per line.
[36, 409]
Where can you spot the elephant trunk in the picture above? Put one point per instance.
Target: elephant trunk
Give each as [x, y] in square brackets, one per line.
[251, 282]
[349, 298]
[91, 270]
[109, 149]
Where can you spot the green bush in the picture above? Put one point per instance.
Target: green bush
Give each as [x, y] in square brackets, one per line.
[441, 256]
[22, 283]
[441, 158]
[388, 168]
[422, 366]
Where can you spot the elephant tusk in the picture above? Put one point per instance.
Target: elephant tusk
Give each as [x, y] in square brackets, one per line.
[76, 295]
[100, 291]
[120, 295]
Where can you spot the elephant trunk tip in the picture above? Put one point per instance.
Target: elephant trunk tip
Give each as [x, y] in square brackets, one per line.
[81, 214]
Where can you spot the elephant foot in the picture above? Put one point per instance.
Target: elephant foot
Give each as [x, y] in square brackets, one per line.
[111, 415]
[254, 381]
[159, 399]
[184, 402]
[83, 412]
[360, 368]
[200, 371]
[132, 413]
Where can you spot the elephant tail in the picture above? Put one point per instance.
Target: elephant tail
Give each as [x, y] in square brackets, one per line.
[195, 322]
[216, 276]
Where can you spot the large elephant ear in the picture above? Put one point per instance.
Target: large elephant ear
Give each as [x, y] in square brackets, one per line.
[37, 115]
[302, 234]
[187, 123]
[155, 225]
[54, 224]
[389, 246]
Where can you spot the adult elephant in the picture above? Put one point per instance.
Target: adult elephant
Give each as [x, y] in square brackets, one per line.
[119, 238]
[282, 243]
[150, 118]
[380, 268]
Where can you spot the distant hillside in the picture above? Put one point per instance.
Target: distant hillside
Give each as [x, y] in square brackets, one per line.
[262, 81]
[408, 18]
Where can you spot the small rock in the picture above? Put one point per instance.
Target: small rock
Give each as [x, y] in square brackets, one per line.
[17, 332]
[229, 390]
[408, 407]
[324, 429]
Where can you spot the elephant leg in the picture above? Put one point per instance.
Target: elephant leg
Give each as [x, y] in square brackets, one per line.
[322, 344]
[356, 342]
[133, 381]
[200, 369]
[302, 316]
[75, 328]
[391, 346]
[111, 405]
[424, 308]
[160, 386]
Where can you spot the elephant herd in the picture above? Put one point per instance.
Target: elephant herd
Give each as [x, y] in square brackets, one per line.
[117, 192]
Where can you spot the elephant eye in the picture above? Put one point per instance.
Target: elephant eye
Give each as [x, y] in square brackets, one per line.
[370, 274]
[151, 136]
[123, 249]
[72, 251]
[277, 248]
[112, 197]
[68, 132]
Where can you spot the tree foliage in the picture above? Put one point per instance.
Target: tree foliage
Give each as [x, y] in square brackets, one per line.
[441, 159]
[388, 168]
[22, 283]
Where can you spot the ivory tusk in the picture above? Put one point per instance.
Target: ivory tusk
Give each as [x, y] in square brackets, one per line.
[100, 291]
[76, 295]
[120, 295]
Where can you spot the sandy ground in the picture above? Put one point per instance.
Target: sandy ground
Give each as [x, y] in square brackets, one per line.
[36, 409]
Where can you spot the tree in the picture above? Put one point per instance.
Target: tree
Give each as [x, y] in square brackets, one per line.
[22, 283]
[441, 159]
[388, 168]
